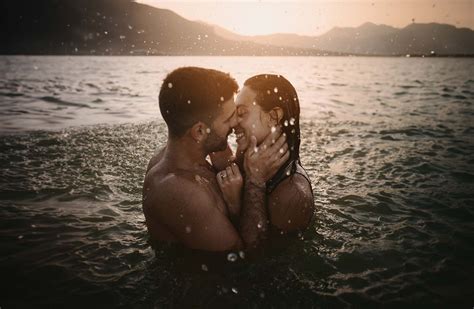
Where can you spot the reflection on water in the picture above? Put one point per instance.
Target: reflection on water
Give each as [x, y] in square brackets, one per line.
[387, 144]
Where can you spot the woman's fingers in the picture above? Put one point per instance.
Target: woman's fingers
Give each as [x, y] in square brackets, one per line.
[219, 179]
[279, 162]
[278, 144]
[229, 172]
[235, 169]
[283, 149]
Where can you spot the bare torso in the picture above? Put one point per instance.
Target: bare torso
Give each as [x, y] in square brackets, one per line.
[160, 171]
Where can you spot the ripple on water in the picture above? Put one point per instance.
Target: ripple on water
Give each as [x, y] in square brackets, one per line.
[393, 189]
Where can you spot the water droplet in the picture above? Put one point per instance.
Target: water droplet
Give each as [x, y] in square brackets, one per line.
[279, 98]
[189, 101]
[253, 125]
[204, 267]
[275, 90]
[188, 229]
[20, 236]
[208, 130]
[170, 85]
[281, 150]
[33, 226]
[268, 92]
[292, 121]
[285, 123]
[262, 295]
[232, 257]
[242, 254]
[254, 103]
[288, 173]
[289, 220]
[255, 149]
[273, 129]
[235, 291]
[222, 99]
[293, 131]
[259, 225]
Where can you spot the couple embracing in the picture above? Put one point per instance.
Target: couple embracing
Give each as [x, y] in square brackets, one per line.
[197, 192]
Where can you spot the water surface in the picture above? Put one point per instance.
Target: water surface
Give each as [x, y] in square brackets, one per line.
[387, 142]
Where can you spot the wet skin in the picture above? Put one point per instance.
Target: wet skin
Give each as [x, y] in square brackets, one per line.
[182, 201]
[290, 205]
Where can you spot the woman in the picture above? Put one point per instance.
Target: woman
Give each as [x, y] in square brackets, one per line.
[265, 103]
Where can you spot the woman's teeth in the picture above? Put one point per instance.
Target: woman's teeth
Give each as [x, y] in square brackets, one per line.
[239, 135]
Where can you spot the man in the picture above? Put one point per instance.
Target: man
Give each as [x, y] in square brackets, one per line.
[182, 201]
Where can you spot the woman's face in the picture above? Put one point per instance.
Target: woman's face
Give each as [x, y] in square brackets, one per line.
[252, 120]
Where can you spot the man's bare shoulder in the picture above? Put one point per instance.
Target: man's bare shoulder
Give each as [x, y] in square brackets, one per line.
[174, 185]
[155, 159]
[291, 204]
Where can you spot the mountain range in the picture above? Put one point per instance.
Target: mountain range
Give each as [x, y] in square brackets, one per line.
[372, 39]
[124, 27]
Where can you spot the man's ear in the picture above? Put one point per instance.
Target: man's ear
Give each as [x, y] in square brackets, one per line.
[198, 131]
[276, 114]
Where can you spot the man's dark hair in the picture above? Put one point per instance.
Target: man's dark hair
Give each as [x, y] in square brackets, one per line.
[192, 94]
[276, 91]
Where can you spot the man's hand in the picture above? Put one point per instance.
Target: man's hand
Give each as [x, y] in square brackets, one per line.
[262, 162]
[230, 182]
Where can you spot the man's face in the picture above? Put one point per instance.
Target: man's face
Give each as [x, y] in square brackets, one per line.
[221, 127]
[252, 120]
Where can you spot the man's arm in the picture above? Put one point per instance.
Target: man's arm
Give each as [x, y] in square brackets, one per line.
[192, 217]
[291, 204]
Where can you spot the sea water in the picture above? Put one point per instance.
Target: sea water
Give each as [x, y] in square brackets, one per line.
[388, 144]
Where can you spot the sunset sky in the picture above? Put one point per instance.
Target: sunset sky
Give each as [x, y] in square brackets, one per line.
[253, 17]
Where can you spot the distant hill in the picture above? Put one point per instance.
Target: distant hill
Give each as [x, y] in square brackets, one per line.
[124, 27]
[372, 39]
[116, 27]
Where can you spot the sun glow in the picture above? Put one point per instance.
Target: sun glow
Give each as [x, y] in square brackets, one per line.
[252, 17]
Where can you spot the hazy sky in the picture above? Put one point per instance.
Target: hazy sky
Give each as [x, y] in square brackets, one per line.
[315, 17]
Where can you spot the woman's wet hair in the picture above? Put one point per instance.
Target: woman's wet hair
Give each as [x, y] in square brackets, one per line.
[276, 91]
[192, 94]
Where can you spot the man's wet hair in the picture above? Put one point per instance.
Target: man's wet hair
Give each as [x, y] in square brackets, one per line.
[276, 91]
[192, 94]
